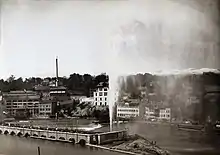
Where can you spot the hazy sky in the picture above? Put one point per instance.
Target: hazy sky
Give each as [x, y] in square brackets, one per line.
[80, 33]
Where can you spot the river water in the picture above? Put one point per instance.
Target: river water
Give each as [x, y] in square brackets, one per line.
[176, 141]
[12, 145]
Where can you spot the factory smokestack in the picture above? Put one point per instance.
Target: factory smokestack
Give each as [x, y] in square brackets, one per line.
[56, 71]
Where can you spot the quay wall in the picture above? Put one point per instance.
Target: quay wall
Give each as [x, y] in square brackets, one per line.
[82, 139]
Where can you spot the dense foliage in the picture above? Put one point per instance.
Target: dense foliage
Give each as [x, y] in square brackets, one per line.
[74, 82]
[88, 110]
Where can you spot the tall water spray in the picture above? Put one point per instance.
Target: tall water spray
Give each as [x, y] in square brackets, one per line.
[161, 44]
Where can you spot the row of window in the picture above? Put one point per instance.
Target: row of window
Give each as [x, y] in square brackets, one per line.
[164, 116]
[58, 92]
[165, 112]
[45, 106]
[152, 110]
[22, 101]
[21, 107]
[100, 99]
[101, 93]
[45, 109]
[128, 110]
[101, 89]
[123, 115]
[100, 103]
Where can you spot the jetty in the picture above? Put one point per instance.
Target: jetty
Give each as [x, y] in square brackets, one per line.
[116, 141]
[65, 136]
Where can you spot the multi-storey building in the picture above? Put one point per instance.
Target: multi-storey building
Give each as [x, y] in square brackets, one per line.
[19, 101]
[100, 96]
[149, 113]
[165, 114]
[127, 111]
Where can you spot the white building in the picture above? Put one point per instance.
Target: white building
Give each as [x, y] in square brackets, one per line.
[100, 96]
[149, 113]
[165, 114]
[126, 111]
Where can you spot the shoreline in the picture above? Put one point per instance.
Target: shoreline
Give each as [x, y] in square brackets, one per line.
[113, 150]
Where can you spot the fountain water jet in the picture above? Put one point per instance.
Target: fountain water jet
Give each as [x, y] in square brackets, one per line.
[162, 44]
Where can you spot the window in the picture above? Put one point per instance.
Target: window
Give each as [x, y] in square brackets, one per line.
[100, 93]
[105, 93]
[105, 89]
[96, 99]
[105, 98]
[100, 99]
[95, 103]
[105, 103]
[100, 89]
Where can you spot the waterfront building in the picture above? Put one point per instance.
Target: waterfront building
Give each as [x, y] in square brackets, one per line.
[149, 113]
[126, 110]
[165, 114]
[19, 101]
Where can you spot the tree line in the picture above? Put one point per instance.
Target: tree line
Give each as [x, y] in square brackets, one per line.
[83, 83]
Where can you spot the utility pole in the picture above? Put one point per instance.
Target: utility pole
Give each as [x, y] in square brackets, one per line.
[57, 72]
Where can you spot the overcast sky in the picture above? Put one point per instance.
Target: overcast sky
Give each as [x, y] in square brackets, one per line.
[80, 33]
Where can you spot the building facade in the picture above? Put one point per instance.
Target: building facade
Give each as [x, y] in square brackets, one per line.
[149, 113]
[127, 111]
[18, 101]
[165, 114]
[45, 108]
[101, 96]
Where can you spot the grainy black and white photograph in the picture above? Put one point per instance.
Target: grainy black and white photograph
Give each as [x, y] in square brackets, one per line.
[113, 77]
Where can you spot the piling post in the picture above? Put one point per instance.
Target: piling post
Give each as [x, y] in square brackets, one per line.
[38, 150]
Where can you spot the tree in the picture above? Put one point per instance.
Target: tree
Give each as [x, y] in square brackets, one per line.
[11, 79]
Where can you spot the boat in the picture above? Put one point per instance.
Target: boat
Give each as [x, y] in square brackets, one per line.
[208, 127]
[191, 126]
